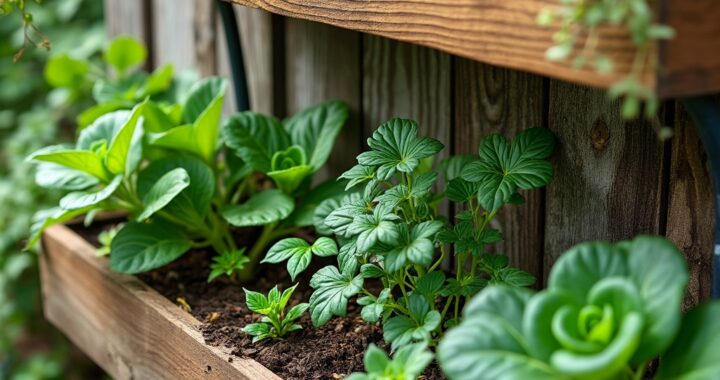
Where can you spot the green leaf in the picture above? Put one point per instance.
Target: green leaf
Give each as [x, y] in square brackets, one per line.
[408, 363]
[430, 283]
[255, 138]
[289, 169]
[513, 277]
[140, 247]
[160, 80]
[118, 158]
[332, 291]
[315, 130]
[340, 219]
[46, 218]
[460, 190]
[193, 202]
[401, 330]
[91, 114]
[54, 176]
[62, 70]
[373, 307]
[125, 53]
[357, 175]
[258, 331]
[203, 96]
[377, 227]
[317, 204]
[164, 191]
[82, 199]
[295, 312]
[263, 208]
[85, 161]
[371, 271]
[396, 147]
[227, 263]
[693, 353]
[452, 166]
[257, 302]
[299, 253]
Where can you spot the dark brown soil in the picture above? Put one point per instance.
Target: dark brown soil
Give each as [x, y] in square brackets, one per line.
[329, 352]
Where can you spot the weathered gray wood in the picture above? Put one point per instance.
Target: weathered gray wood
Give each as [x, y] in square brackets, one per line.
[491, 99]
[184, 34]
[608, 173]
[323, 63]
[690, 212]
[126, 327]
[127, 17]
[256, 34]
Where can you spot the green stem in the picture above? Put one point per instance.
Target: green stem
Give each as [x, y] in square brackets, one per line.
[440, 260]
[266, 236]
[640, 371]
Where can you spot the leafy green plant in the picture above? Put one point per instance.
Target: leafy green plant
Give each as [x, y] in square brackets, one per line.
[275, 323]
[607, 311]
[407, 363]
[391, 230]
[105, 239]
[584, 19]
[228, 263]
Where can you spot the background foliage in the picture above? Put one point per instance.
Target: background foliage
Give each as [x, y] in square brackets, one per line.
[33, 114]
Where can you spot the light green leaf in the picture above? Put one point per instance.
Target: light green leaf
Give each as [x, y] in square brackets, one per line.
[140, 247]
[309, 212]
[257, 302]
[62, 70]
[81, 160]
[332, 291]
[357, 175]
[91, 114]
[82, 199]
[118, 158]
[289, 179]
[164, 191]
[124, 53]
[266, 207]
[54, 176]
[299, 253]
[202, 97]
[46, 218]
[160, 80]
[255, 138]
[315, 130]
[377, 227]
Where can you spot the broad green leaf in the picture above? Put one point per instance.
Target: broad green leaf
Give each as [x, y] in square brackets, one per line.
[54, 176]
[62, 70]
[46, 218]
[194, 201]
[299, 253]
[124, 53]
[160, 80]
[118, 158]
[257, 302]
[395, 146]
[255, 138]
[332, 291]
[460, 190]
[309, 211]
[164, 191]
[377, 227]
[430, 283]
[156, 119]
[82, 160]
[401, 330]
[315, 130]
[289, 179]
[340, 218]
[82, 199]
[102, 129]
[201, 98]
[91, 114]
[266, 207]
[693, 354]
[513, 277]
[140, 247]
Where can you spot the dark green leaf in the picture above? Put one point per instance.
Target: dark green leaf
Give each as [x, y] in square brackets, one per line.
[332, 291]
[266, 207]
[255, 138]
[164, 191]
[140, 247]
[315, 130]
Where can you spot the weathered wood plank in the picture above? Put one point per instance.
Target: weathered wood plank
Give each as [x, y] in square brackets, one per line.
[491, 99]
[608, 177]
[505, 33]
[323, 63]
[127, 17]
[184, 34]
[256, 37]
[690, 213]
[126, 327]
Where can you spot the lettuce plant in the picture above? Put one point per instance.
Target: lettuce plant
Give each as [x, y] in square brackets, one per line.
[275, 323]
[162, 164]
[388, 228]
[607, 311]
[407, 363]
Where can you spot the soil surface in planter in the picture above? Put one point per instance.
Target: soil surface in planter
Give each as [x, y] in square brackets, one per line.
[329, 352]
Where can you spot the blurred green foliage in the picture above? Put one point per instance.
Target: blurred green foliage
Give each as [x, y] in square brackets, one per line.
[33, 114]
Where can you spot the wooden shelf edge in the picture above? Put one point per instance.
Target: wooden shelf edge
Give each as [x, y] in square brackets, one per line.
[126, 327]
[506, 34]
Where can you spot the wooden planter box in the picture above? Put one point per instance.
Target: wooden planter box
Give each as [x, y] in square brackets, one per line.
[123, 325]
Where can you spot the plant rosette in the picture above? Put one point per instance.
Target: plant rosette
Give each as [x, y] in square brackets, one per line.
[607, 311]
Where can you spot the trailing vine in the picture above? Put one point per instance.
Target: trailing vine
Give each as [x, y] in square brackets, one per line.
[579, 25]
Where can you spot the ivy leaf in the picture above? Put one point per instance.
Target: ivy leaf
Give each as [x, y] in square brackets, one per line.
[401, 330]
[315, 130]
[263, 208]
[255, 138]
[396, 147]
[164, 191]
[81, 199]
[505, 167]
[299, 253]
[332, 291]
[376, 227]
[140, 247]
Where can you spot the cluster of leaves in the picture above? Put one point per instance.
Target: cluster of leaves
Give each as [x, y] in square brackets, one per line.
[607, 311]
[408, 363]
[152, 149]
[34, 114]
[389, 229]
[579, 18]
[275, 323]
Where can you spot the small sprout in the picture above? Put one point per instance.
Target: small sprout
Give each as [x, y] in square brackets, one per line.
[408, 362]
[275, 323]
[229, 264]
[183, 304]
[106, 237]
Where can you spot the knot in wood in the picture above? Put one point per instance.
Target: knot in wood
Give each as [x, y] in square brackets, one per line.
[600, 135]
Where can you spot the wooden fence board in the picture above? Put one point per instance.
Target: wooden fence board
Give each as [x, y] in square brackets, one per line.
[323, 63]
[609, 174]
[690, 213]
[256, 37]
[490, 99]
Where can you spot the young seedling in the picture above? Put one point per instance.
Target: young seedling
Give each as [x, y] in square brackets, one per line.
[275, 323]
[229, 264]
[407, 363]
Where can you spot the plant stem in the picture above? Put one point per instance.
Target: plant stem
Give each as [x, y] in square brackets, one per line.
[265, 238]
[640, 371]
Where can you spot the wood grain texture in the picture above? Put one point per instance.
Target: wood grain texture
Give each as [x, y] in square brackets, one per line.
[608, 177]
[184, 34]
[690, 213]
[256, 36]
[490, 99]
[127, 17]
[222, 60]
[126, 327]
[323, 63]
[505, 33]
